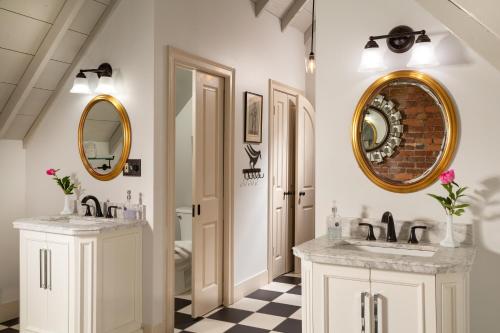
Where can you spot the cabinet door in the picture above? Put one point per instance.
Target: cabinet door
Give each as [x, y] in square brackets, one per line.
[33, 293]
[341, 299]
[405, 302]
[58, 287]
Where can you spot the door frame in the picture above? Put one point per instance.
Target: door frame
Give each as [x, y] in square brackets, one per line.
[274, 85]
[177, 57]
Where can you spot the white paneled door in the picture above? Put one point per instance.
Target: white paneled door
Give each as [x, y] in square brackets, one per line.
[304, 165]
[292, 190]
[280, 188]
[208, 194]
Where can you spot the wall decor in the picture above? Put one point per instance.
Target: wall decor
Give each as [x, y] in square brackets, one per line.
[253, 156]
[253, 117]
[404, 131]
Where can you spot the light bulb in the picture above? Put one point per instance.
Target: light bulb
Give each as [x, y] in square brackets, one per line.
[105, 85]
[311, 63]
[372, 60]
[80, 85]
[423, 56]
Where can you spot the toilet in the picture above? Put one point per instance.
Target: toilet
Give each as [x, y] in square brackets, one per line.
[183, 249]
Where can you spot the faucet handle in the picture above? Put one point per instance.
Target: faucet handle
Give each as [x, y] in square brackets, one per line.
[413, 236]
[371, 235]
[109, 215]
[87, 210]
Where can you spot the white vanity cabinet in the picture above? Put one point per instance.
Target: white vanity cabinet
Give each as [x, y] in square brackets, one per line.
[340, 299]
[88, 282]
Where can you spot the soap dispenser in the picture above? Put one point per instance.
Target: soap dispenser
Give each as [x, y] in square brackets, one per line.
[333, 224]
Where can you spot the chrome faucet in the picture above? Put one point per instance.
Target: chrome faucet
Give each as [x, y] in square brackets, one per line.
[98, 211]
[391, 231]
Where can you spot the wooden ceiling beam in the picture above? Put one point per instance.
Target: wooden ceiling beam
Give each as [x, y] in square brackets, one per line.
[291, 13]
[259, 6]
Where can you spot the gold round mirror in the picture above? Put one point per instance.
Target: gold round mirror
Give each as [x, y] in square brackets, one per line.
[404, 131]
[104, 137]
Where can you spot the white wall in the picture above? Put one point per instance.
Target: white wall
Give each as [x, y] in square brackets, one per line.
[126, 42]
[228, 32]
[12, 199]
[472, 83]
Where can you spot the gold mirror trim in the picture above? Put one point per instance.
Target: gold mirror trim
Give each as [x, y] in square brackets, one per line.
[451, 131]
[127, 135]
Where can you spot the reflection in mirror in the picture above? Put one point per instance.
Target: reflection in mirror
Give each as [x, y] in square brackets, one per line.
[413, 143]
[401, 127]
[103, 137]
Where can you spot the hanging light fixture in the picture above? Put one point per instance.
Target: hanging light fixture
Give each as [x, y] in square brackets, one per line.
[399, 40]
[80, 85]
[372, 58]
[105, 85]
[311, 59]
[423, 53]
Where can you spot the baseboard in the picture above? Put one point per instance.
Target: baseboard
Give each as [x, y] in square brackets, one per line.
[9, 311]
[249, 285]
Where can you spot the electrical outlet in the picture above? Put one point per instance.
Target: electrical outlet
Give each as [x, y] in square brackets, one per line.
[132, 168]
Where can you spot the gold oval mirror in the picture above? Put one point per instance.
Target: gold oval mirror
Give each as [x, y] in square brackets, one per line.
[404, 131]
[104, 137]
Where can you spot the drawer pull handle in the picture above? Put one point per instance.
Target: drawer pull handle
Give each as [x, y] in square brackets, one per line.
[363, 307]
[376, 297]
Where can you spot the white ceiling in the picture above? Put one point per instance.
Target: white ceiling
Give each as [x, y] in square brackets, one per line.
[302, 20]
[24, 26]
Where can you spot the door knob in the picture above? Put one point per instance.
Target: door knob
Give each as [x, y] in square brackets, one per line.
[302, 194]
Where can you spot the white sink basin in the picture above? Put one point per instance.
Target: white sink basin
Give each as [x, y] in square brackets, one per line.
[75, 220]
[389, 250]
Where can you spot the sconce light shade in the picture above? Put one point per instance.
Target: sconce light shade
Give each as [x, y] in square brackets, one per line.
[105, 86]
[80, 85]
[423, 53]
[372, 60]
[311, 63]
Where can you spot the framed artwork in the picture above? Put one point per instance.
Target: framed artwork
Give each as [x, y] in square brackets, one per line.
[253, 117]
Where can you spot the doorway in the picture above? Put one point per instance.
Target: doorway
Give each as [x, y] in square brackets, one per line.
[199, 190]
[292, 183]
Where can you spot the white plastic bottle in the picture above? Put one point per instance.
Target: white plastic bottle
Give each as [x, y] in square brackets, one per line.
[333, 224]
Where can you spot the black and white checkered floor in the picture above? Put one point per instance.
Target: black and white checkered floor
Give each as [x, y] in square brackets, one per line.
[10, 326]
[273, 308]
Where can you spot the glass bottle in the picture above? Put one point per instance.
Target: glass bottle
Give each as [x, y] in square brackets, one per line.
[333, 224]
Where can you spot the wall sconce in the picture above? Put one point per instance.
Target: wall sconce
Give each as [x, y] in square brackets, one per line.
[104, 86]
[399, 40]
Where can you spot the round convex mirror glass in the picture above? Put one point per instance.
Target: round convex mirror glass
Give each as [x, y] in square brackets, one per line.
[104, 137]
[404, 131]
[375, 129]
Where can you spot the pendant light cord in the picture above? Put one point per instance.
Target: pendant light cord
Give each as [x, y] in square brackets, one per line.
[312, 28]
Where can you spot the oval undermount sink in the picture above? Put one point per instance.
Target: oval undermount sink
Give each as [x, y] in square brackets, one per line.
[389, 250]
[74, 220]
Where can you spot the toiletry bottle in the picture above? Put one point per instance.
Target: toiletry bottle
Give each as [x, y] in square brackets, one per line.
[141, 209]
[129, 211]
[334, 225]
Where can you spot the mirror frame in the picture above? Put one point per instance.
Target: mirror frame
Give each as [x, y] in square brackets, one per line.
[451, 131]
[127, 135]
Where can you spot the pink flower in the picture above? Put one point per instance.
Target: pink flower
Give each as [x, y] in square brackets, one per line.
[447, 177]
[51, 172]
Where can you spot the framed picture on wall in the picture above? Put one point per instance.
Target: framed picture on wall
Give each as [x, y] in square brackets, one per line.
[253, 117]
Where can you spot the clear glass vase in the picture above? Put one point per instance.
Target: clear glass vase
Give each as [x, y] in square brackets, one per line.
[67, 210]
[449, 240]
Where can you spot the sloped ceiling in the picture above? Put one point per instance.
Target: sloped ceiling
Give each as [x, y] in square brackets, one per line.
[39, 41]
[299, 12]
[476, 22]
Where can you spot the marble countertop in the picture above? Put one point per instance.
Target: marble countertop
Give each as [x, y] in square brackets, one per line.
[75, 225]
[445, 260]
